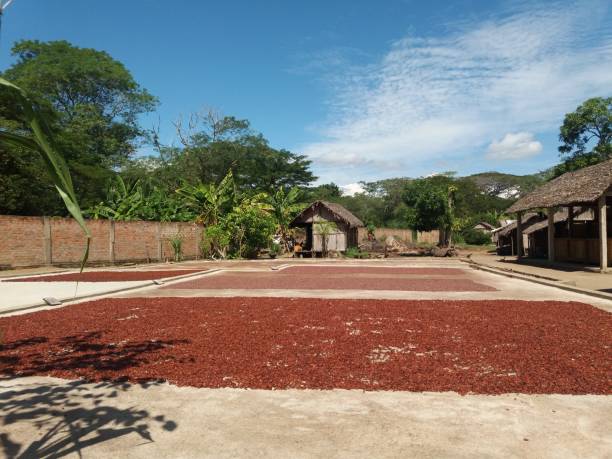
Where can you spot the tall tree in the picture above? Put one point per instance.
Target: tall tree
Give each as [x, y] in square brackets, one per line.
[589, 127]
[212, 144]
[428, 204]
[92, 102]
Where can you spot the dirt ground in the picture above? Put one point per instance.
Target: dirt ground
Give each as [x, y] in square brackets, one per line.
[235, 342]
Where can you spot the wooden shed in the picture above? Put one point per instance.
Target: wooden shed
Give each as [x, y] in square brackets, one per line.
[347, 225]
[588, 188]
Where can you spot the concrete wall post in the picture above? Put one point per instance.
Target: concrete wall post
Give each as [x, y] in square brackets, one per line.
[160, 247]
[48, 255]
[111, 241]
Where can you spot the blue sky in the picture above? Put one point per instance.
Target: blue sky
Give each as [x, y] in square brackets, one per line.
[367, 89]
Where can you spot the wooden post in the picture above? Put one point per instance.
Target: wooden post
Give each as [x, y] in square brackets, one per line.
[519, 235]
[551, 234]
[47, 241]
[603, 233]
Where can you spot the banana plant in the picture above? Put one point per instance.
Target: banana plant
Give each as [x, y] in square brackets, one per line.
[41, 141]
[284, 206]
[124, 202]
[209, 200]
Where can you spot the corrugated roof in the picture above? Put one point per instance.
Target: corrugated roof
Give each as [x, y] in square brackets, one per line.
[581, 186]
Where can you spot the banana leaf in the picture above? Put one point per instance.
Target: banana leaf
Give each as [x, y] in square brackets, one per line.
[41, 142]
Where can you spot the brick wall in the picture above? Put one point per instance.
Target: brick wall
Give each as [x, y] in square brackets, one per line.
[22, 241]
[36, 241]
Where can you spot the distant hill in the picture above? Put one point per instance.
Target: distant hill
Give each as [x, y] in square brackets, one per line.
[507, 186]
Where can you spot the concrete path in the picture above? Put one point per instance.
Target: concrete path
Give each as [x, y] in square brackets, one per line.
[120, 420]
[563, 273]
[20, 295]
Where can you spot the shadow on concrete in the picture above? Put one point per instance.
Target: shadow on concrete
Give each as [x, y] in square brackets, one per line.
[542, 263]
[66, 418]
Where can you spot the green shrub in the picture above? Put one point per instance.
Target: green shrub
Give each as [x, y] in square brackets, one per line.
[275, 250]
[475, 237]
[251, 230]
[354, 252]
[215, 241]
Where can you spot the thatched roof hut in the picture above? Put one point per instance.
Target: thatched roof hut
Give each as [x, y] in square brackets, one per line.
[590, 187]
[583, 186]
[347, 225]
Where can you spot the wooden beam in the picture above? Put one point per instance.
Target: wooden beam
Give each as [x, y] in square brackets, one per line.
[602, 214]
[551, 234]
[519, 235]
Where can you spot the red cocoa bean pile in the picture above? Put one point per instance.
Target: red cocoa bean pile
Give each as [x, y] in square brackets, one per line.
[317, 281]
[108, 276]
[485, 347]
[373, 269]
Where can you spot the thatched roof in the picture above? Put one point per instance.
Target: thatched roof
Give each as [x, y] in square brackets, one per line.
[528, 219]
[485, 225]
[339, 212]
[578, 187]
[561, 216]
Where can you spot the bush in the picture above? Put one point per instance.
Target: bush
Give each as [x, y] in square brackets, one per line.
[475, 237]
[215, 241]
[275, 250]
[251, 230]
[354, 252]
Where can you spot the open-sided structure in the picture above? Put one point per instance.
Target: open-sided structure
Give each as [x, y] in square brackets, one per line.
[345, 235]
[590, 187]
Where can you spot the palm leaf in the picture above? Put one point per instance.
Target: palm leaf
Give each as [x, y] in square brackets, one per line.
[41, 142]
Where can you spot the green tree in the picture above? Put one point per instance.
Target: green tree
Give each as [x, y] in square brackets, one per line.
[92, 104]
[212, 144]
[590, 125]
[325, 192]
[428, 204]
[591, 122]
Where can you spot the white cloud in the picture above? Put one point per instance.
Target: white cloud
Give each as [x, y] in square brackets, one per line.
[433, 99]
[352, 189]
[514, 146]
